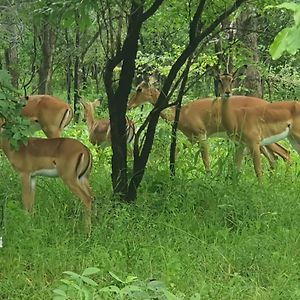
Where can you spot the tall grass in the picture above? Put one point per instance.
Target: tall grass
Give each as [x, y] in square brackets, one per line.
[220, 235]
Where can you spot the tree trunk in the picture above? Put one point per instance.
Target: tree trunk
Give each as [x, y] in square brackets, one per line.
[197, 34]
[68, 68]
[47, 38]
[76, 72]
[247, 33]
[117, 100]
[177, 114]
[11, 52]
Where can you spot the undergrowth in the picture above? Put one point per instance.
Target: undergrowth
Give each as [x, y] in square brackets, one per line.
[196, 236]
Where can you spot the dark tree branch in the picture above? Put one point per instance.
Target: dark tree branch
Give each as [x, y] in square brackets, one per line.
[194, 26]
[150, 12]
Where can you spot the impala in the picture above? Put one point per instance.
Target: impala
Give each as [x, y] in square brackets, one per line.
[201, 119]
[66, 158]
[51, 113]
[261, 125]
[99, 129]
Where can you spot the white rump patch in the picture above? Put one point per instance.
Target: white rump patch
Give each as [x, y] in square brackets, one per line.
[46, 173]
[275, 138]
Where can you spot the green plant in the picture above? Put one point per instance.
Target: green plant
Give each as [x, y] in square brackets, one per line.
[83, 287]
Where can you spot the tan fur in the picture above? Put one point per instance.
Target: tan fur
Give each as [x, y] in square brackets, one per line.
[99, 129]
[200, 119]
[50, 112]
[68, 157]
[251, 125]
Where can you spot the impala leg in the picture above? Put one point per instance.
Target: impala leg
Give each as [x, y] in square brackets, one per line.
[269, 155]
[28, 191]
[239, 155]
[295, 142]
[255, 152]
[205, 154]
[83, 191]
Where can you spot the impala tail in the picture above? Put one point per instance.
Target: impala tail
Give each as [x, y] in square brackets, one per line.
[84, 165]
[130, 130]
[66, 119]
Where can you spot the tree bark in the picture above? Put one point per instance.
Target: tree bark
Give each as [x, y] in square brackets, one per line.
[197, 34]
[177, 114]
[76, 70]
[247, 25]
[47, 38]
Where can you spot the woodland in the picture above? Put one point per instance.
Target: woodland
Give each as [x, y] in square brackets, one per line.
[173, 216]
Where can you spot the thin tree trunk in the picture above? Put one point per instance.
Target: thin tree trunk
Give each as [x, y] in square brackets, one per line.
[247, 34]
[177, 115]
[117, 101]
[47, 47]
[197, 34]
[76, 71]
[68, 68]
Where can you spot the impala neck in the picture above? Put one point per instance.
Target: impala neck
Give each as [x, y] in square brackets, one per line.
[5, 146]
[167, 114]
[89, 116]
[227, 113]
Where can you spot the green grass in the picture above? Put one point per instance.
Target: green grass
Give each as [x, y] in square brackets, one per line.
[218, 235]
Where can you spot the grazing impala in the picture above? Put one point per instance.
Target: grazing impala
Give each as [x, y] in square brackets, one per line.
[99, 129]
[201, 119]
[66, 158]
[50, 112]
[261, 125]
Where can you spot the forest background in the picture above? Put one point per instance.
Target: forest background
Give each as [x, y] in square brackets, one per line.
[189, 236]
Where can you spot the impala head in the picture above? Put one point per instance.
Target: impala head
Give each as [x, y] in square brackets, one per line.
[145, 92]
[89, 107]
[225, 82]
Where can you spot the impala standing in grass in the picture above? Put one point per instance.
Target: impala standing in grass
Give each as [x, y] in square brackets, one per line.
[202, 118]
[51, 113]
[66, 158]
[259, 126]
[99, 129]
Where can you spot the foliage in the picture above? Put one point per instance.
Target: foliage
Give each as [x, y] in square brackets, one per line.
[288, 38]
[83, 287]
[17, 129]
[217, 235]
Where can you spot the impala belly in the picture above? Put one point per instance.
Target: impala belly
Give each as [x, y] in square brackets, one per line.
[46, 172]
[275, 138]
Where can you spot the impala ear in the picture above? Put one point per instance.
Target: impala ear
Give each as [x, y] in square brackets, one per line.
[240, 71]
[81, 103]
[97, 102]
[213, 70]
[152, 80]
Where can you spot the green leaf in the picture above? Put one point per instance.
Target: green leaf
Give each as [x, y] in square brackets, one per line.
[111, 288]
[60, 292]
[73, 275]
[89, 281]
[59, 298]
[279, 44]
[116, 277]
[131, 288]
[90, 271]
[70, 283]
[130, 279]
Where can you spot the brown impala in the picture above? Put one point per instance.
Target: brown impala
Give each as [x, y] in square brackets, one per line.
[99, 129]
[261, 125]
[50, 112]
[66, 158]
[202, 118]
